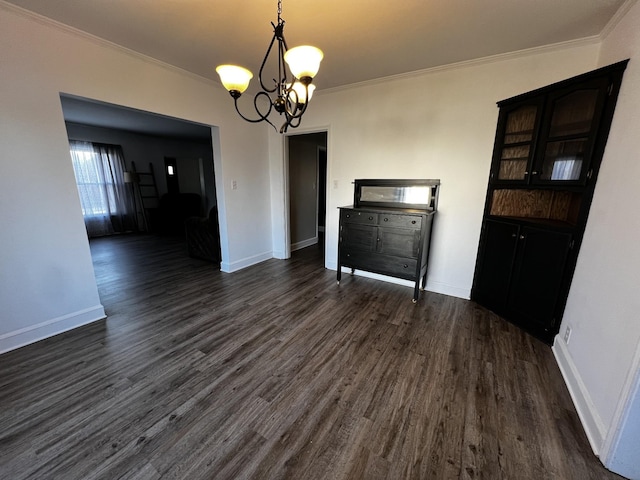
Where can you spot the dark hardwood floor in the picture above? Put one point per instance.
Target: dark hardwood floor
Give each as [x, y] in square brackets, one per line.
[276, 372]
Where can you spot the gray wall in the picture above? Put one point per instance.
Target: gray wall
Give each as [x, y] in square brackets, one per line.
[303, 188]
[146, 149]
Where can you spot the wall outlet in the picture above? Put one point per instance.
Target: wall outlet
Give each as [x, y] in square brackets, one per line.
[234, 184]
[567, 334]
[335, 184]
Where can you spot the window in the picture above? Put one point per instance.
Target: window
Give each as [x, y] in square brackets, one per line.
[96, 191]
[105, 200]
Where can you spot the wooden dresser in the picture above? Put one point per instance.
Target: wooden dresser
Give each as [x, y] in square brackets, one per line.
[388, 229]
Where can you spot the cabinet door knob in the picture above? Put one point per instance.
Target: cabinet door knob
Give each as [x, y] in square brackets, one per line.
[413, 222]
[348, 216]
[370, 218]
[521, 237]
[386, 219]
[534, 173]
[405, 266]
[514, 235]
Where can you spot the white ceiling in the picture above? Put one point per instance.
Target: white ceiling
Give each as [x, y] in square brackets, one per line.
[361, 39]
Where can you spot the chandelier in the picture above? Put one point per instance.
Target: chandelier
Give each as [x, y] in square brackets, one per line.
[290, 94]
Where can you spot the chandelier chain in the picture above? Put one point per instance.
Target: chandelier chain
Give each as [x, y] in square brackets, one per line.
[279, 10]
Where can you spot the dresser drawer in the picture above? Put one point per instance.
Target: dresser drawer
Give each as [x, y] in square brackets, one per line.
[358, 236]
[383, 264]
[402, 221]
[363, 218]
[400, 242]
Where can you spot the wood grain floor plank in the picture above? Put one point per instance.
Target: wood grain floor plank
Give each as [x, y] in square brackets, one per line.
[276, 372]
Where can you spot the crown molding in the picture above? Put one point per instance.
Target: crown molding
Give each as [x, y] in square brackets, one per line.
[619, 15]
[595, 39]
[49, 22]
[592, 40]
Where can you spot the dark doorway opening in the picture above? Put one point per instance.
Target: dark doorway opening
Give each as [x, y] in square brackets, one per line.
[176, 154]
[307, 174]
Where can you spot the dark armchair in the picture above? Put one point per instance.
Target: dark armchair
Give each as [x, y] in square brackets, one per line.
[174, 209]
[203, 240]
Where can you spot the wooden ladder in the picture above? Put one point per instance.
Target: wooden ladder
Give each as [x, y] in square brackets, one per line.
[146, 190]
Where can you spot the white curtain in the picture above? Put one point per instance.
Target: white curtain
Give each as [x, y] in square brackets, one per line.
[566, 168]
[107, 202]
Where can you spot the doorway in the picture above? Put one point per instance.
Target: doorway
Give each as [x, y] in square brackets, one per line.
[151, 144]
[307, 174]
[178, 151]
[191, 175]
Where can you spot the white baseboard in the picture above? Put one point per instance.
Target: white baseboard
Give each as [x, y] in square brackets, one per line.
[330, 264]
[591, 422]
[435, 287]
[619, 452]
[304, 243]
[451, 290]
[33, 333]
[245, 262]
[279, 255]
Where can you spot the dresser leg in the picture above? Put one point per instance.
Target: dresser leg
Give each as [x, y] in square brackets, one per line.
[416, 292]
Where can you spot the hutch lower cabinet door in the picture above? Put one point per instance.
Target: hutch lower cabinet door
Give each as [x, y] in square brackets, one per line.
[537, 279]
[495, 264]
[522, 273]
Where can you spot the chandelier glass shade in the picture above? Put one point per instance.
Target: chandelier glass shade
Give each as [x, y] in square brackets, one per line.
[290, 93]
[298, 94]
[234, 78]
[304, 61]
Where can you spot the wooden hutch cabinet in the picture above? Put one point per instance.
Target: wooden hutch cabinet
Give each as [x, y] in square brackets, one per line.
[547, 153]
[388, 229]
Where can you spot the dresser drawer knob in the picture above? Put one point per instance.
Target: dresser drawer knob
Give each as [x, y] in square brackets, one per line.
[386, 219]
[406, 266]
[348, 216]
[413, 222]
[370, 218]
